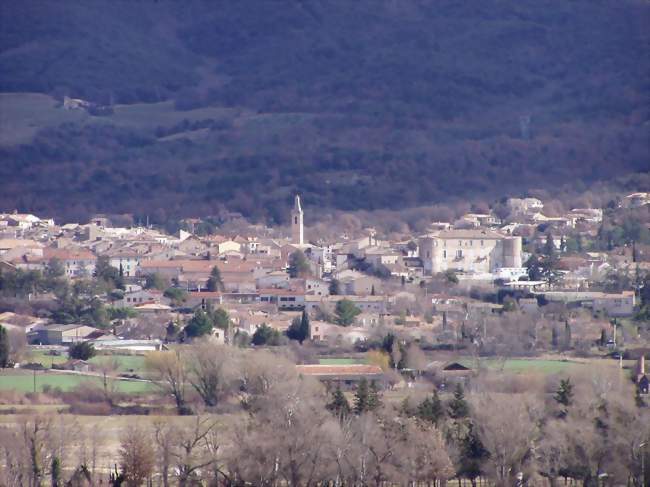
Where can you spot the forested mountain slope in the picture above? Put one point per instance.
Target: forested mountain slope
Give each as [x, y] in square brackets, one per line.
[364, 104]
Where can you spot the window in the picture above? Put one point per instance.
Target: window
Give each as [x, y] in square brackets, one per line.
[481, 243]
[444, 254]
[428, 254]
[459, 254]
[295, 220]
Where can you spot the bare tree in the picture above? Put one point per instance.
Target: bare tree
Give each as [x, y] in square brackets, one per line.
[170, 375]
[194, 450]
[137, 456]
[507, 426]
[213, 372]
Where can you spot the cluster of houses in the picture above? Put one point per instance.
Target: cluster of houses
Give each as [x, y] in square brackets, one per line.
[259, 286]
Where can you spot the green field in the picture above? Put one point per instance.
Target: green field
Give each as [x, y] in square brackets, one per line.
[340, 361]
[520, 366]
[23, 381]
[23, 114]
[126, 363]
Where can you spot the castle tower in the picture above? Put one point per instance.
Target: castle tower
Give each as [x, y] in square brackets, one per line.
[297, 232]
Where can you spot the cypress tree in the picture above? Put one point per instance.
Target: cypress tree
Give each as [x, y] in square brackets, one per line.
[554, 337]
[4, 347]
[339, 405]
[56, 471]
[458, 407]
[567, 334]
[564, 393]
[374, 401]
[361, 397]
[431, 409]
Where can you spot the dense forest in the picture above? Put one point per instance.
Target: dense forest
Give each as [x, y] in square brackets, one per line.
[358, 105]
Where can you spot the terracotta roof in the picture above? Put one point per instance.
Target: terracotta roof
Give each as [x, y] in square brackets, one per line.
[351, 369]
[68, 254]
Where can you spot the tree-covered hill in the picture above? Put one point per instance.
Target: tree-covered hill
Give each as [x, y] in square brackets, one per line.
[364, 104]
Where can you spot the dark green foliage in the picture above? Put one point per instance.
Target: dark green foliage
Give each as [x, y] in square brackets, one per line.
[564, 393]
[56, 471]
[220, 318]
[346, 312]
[431, 409]
[200, 324]
[374, 398]
[299, 328]
[4, 347]
[155, 281]
[451, 277]
[554, 338]
[361, 400]
[265, 335]
[472, 454]
[335, 287]
[82, 351]
[458, 407]
[339, 405]
[215, 282]
[108, 274]
[177, 295]
[324, 73]
[366, 397]
[566, 342]
[298, 264]
[120, 313]
[603, 338]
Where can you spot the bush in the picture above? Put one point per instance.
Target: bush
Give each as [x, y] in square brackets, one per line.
[82, 351]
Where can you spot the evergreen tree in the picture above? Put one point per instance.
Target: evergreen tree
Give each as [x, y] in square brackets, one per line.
[603, 338]
[339, 405]
[82, 351]
[220, 318]
[346, 312]
[215, 282]
[56, 471]
[374, 400]
[472, 454]
[4, 348]
[299, 328]
[199, 325]
[361, 397]
[265, 335]
[298, 264]
[564, 393]
[554, 338]
[431, 409]
[549, 246]
[567, 335]
[458, 407]
[335, 287]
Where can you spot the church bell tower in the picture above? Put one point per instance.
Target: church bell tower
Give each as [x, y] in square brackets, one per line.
[297, 232]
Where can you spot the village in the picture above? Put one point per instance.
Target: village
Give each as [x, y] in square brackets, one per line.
[106, 319]
[441, 288]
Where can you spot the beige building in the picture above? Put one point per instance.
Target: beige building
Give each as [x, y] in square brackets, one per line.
[472, 251]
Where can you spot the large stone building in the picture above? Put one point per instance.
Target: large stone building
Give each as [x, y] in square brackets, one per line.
[471, 251]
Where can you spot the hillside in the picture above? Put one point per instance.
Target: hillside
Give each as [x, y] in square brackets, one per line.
[365, 104]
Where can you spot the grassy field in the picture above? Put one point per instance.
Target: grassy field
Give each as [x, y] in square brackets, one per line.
[23, 114]
[520, 366]
[126, 363]
[340, 361]
[23, 381]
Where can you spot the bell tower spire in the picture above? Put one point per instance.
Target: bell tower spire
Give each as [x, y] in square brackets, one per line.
[297, 231]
